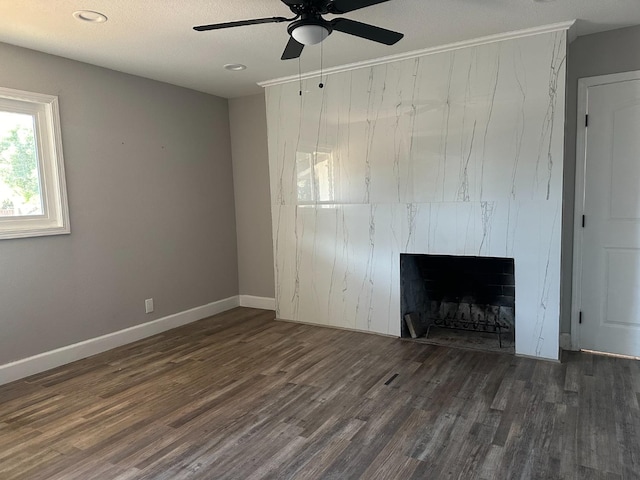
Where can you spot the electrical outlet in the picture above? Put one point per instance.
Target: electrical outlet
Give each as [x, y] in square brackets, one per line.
[148, 305]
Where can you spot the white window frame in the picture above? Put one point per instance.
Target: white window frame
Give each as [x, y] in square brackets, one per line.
[55, 217]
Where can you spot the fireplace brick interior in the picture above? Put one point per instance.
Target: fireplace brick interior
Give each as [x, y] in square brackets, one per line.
[463, 291]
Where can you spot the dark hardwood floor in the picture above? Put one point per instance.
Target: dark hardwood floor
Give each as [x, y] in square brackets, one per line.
[241, 396]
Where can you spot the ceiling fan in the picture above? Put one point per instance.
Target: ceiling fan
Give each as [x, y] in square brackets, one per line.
[308, 27]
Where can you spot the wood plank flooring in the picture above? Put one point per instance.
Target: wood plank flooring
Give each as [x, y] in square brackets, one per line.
[241, 396]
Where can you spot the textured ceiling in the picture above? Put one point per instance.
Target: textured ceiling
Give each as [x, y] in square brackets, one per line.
[154, 38]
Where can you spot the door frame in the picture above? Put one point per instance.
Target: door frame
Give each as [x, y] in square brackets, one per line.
[578, 208]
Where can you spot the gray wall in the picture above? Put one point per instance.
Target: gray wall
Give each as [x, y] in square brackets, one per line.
[598, 54]
[149, 177]
[248, 120]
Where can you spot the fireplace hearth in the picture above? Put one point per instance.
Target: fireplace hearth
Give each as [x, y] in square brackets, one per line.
[475, 295]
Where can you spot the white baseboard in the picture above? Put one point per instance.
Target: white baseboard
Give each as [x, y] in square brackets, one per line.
[60, 356]
[565, 341]
[265, 303]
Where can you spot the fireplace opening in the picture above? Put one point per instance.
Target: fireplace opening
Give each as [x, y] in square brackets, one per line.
[458, 300]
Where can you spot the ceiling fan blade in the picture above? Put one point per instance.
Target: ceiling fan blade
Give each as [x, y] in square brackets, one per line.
[240, 23]
[292, 50]
[364, 30]
[344, 6]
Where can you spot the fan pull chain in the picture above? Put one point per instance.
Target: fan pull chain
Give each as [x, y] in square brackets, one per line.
[300, 76]
[321, 85]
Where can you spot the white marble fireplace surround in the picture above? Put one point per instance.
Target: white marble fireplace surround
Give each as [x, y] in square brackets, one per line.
[454, 153]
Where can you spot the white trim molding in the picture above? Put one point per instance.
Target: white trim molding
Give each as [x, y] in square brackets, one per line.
[264, 303]
[500, 37]
[565, 341]
[54, 358]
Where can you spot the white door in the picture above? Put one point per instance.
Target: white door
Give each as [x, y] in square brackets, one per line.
[610, 250]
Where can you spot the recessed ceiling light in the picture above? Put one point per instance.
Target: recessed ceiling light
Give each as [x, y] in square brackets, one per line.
[235, 67]
[89, 16]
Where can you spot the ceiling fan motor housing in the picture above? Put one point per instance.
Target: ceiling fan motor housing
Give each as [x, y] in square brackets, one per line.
[317, 7]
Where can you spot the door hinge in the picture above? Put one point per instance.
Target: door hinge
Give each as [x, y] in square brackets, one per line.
[580, 317]
[583, 221]
[586, 120]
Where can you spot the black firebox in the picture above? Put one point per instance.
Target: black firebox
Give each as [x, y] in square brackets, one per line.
[458, 292]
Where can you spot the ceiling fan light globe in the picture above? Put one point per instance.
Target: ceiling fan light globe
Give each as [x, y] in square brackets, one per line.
[310, 34]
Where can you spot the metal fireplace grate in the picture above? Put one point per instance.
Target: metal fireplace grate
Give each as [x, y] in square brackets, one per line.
[487, 324]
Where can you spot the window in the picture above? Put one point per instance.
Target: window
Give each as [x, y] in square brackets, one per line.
[33, 197]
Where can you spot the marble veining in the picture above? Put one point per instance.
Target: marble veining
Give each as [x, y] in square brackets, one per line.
[456, 153]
